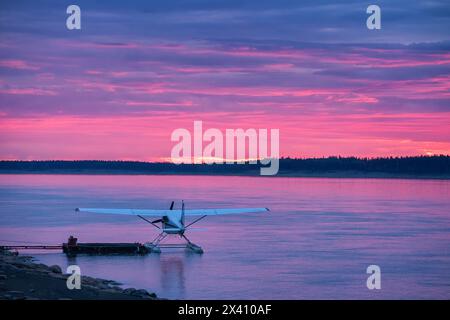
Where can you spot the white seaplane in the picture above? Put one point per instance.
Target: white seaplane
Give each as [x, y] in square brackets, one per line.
[172, 222]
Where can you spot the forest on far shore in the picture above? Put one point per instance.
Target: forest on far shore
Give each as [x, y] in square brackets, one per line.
[412, 166]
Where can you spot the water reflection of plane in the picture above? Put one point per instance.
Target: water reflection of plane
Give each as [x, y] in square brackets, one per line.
[172, 273]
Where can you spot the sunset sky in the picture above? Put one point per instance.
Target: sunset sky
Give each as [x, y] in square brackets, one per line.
[137, 70]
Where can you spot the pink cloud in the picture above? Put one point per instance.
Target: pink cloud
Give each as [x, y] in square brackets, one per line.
[28, 91]
[17, 64]
[340, 115]
[147, 137]
[161, 103]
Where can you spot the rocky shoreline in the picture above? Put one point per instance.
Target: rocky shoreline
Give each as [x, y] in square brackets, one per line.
[22, 278]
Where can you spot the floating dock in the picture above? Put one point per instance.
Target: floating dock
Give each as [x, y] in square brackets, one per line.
[105, 248]
[72, 247]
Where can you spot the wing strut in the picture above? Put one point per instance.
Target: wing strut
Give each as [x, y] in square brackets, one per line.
[196, 220]
[149, 222]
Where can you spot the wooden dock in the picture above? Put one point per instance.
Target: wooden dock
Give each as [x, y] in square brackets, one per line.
[105, 248]
[31, 247]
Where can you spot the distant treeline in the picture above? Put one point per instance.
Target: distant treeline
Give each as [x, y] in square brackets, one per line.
[413, 166]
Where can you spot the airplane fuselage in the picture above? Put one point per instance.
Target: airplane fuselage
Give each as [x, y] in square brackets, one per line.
[173, 223]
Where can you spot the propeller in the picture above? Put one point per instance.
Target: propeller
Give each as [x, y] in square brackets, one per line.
[157, 220]
[161, 220]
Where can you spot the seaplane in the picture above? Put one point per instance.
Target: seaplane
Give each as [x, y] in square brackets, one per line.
[172, 221]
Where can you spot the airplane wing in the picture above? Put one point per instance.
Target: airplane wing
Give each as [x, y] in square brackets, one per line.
[214, 212]
[132, 212]
[160, 213]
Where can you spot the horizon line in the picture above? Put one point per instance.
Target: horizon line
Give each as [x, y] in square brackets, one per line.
[235, 160]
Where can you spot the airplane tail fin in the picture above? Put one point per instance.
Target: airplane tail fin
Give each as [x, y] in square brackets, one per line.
[182, 212]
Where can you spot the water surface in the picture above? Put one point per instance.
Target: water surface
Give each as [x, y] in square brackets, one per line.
[316, 242]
